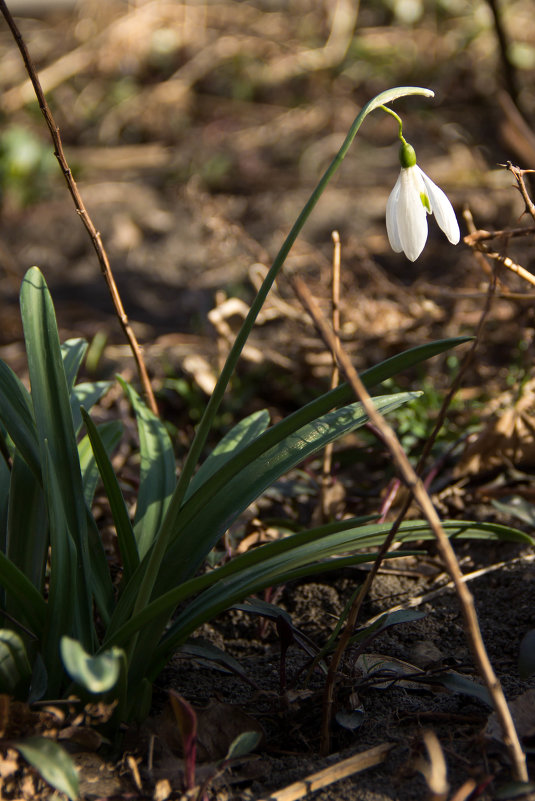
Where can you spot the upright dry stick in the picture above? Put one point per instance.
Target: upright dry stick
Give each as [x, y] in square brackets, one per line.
[335, 376]
[447, 553]
[80, 208]
[387, 543]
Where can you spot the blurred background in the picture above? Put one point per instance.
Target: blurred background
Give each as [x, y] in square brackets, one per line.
[196, 131]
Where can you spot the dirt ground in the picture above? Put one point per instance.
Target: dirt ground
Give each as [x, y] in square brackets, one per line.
[196, 132]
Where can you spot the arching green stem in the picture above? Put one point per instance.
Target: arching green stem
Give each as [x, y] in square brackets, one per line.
[169, 526]
[398, 118]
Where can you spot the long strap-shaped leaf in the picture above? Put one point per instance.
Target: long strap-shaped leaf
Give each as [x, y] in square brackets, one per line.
[123, 526]
[157, 472]
[57, 443]
[210, 512]
[16, 413]
[228, 492]
[278, 562]
[27, 534]
[30, 600]
[371, 377]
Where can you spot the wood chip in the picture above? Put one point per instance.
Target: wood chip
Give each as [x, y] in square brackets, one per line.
[334, 773]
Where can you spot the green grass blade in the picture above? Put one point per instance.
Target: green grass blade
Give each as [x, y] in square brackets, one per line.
[243, 478]
[109, 435]
[62, 480]
[27, 534]
[157, 472]
[101, 583]
[5, 483]
[371, 377]
[30, 600]
[305, 553]
[242, 434]
[64, 610]
[72, 353]
[86, 395]
[187, 589]
[307, 558]
[123, 526]
[16, 413]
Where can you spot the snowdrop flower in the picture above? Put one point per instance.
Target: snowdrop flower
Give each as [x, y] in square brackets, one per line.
[414, 197]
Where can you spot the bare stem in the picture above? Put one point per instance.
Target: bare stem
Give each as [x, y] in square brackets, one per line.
[80, 207]
[447, 553]
[335, 376]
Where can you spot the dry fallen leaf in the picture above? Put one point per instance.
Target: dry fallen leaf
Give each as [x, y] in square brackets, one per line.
[508, 439]
[523, 712]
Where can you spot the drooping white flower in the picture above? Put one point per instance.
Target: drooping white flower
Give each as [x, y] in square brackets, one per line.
[413, 197]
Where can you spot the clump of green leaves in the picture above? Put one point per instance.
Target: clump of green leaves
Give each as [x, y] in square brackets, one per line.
[53, 569]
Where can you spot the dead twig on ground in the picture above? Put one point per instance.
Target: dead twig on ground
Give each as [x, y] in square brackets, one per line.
[445, 548]
[334, 773]
[80, 208]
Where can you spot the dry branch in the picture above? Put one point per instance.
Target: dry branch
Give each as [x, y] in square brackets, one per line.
[445, 548]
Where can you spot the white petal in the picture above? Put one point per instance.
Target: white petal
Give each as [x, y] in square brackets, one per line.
[391, 222]
[442, 209]
[411, 213]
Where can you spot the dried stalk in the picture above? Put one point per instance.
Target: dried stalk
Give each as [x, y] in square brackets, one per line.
[80, 208]
[446, 551]
[335, 375]
[519, 177]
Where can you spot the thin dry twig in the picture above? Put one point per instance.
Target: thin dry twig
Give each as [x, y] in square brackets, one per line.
[334, 773]
[335, 376]
[481, 235]
[477, 239]
[519, 177]
[446, 551]
[387, 543]
[80, 207]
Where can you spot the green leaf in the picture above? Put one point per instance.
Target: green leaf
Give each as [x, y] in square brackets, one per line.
[243, 744]
[63, 609]
[245, 476]
[204, 651]
[245, 432]
[62, 480]
[5, 483]
[15, 670]
[97, 674]
[457, 683]
[110, 435]
[157, 472]
[101, 581]
[86, 395]
[32, 604]
[123, 526]
[27, 537]
[52, 762]
[16, 413]
[72, 353]
[137, 592]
